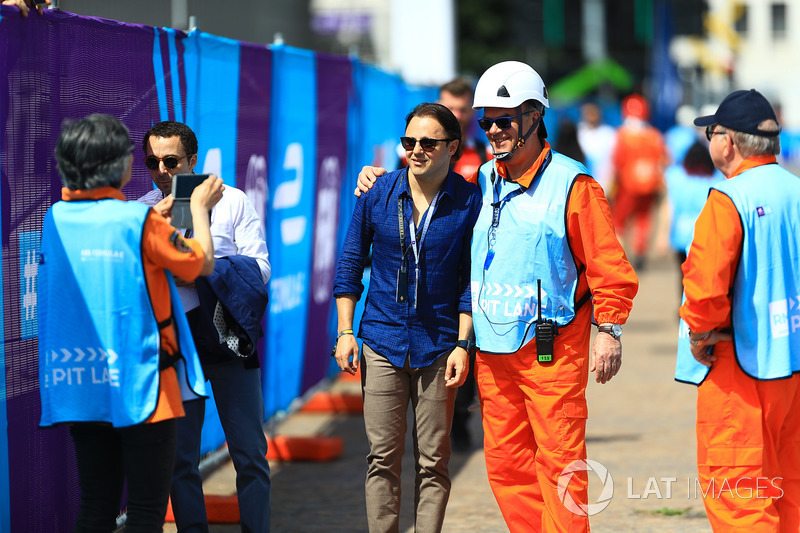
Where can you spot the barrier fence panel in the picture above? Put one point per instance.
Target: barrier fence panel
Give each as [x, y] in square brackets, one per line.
[290, 127]
[334, 85]
[290, 214]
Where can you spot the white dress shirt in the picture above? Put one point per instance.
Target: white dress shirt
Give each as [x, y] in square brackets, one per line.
[235, 229]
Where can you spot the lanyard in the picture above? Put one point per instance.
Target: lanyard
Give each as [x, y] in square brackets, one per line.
[423, 230]
[412, 229]
[414, 235]
[497, 207]
[401, 222]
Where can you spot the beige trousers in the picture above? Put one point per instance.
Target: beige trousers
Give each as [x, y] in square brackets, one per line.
[387, 392]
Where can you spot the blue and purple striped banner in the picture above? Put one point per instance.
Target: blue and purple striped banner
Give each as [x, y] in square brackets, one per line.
[287, 126]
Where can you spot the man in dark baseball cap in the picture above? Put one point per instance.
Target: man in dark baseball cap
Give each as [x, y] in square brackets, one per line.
[743, 111]
[740, 327]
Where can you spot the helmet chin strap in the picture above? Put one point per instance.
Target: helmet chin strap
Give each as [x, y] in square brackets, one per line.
[503, 156]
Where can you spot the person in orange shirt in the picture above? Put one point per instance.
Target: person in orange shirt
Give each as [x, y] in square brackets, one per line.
[740, 336]
[542, 248]
[456, 95]
[113, 354]
[638, 161]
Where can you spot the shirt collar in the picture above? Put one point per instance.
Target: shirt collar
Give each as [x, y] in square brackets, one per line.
[100, 193]
[752, 162]
[446, 189]
[527, 178]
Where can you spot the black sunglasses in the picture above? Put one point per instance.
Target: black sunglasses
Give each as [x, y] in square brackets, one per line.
[427, 144]
[502, 122]
[710, 132]
[170, 161]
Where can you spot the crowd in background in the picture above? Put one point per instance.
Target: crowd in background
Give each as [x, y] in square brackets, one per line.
[656, 182]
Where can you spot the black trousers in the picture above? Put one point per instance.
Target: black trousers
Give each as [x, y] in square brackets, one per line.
[143, 455]
[464, 400]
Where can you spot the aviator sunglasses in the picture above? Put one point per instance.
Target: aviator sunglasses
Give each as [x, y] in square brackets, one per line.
[427, 144]
[502, 122]
[170, 161]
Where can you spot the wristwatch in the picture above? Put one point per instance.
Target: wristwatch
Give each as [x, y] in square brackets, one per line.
[469, 346]
[615, 330]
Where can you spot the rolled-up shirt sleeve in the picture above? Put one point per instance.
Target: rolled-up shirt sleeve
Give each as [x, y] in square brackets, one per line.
[357, 242]
[248, 234]
[711, 265]
[610, 277]
[465, 268]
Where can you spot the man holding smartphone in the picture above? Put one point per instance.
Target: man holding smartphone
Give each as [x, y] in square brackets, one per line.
[171, 149]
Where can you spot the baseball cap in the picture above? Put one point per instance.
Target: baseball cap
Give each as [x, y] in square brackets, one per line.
[742, 111]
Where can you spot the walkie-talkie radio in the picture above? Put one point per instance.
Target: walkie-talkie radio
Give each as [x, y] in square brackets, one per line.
[546, 331]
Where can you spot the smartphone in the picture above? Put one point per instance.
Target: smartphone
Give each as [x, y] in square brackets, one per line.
[184, 184]
[182, 187]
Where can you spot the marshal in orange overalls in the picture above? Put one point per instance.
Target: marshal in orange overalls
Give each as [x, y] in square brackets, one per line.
[534, 416]
[748, 430]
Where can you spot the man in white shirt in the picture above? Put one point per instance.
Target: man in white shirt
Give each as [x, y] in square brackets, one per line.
[171, 148]
[597, 141]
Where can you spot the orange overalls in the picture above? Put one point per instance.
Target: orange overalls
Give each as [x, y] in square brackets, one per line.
[639, 159]
[748, 430]
[534, 416]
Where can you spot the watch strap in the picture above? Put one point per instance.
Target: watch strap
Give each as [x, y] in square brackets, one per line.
[468, 345]
[615, 330]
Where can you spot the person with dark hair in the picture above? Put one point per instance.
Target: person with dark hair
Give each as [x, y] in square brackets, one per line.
[543, 247]
[688, 185]
[416, 326]
[567, 141]
[740, 336]
[115, 354]
[224, 311]
[456, 95]
[185, 141]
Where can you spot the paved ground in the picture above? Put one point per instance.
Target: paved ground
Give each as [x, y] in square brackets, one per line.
[641, 428]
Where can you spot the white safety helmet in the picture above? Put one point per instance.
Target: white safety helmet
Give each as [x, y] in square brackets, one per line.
[508, 85]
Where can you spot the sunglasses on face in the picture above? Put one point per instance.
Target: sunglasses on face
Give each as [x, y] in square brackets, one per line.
[426, 143]
[171, 161]
[710, 132]
[502, 122]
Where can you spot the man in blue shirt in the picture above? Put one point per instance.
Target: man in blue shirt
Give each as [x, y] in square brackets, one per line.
[417, 322]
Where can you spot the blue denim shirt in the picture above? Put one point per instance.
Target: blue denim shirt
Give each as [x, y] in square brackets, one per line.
[399, 330]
